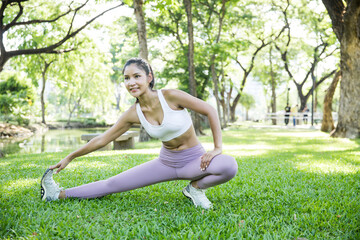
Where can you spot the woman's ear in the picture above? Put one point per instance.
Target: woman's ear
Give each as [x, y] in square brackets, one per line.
[150, 77]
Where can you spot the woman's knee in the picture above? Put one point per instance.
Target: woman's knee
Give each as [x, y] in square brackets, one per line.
[226, 165]
[111, 184]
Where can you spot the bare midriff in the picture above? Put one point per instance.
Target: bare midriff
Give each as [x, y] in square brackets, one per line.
[184, 141]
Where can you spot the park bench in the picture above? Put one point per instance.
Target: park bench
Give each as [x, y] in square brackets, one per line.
[125, 141]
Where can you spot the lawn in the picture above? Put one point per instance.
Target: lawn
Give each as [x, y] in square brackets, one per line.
[291, 184]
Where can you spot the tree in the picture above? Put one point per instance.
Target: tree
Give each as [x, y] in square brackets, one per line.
[141, 32]
[141, 28]
[346, 25]
[191, 66]
[248, 102]
[327, 124]
[16, 20]
[313, 54]
[183, 52]
[121, 49]
[247, 49]
[43, 77]
[270, 73]
[80, 75]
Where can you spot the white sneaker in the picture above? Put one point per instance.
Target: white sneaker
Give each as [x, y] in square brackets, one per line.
[49, 189]
[197, 196]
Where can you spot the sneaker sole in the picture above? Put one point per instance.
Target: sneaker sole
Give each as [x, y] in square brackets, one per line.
[187, 194]
[42, 188]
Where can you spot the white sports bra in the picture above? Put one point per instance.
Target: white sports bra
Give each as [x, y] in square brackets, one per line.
[174, 124]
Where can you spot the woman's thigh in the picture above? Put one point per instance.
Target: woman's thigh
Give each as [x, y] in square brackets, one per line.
[220, 164]
[143, 175]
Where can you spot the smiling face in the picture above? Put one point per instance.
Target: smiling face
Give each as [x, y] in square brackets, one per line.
[136, 80]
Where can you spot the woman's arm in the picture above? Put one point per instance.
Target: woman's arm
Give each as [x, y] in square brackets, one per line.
[121, 126]
[184, 100]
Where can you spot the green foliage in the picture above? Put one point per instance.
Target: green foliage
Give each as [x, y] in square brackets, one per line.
[16, 97]
[41, 34]
[291, 184]
[247, 101]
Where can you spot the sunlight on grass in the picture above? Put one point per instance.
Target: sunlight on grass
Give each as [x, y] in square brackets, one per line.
[247, 150]
[20, 184]
[327, 167]
[3, 164]
[302, 134]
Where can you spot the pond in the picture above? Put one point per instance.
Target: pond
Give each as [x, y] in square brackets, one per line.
[51, 141]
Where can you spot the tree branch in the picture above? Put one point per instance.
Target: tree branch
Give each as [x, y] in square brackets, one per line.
[36, 21]
[51, 48]
[326, 76]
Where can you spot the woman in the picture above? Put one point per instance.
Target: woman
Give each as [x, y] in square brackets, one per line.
[163, 114]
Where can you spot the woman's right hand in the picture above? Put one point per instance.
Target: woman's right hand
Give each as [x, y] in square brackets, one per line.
[61, 165]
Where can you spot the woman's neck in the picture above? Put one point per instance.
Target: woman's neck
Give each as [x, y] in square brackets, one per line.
[148, 99]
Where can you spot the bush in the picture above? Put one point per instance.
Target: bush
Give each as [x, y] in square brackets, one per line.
[16, 97]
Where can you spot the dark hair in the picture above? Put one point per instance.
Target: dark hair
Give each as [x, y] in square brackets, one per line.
[144, 65]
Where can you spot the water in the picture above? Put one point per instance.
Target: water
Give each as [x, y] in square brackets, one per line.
[51, 141]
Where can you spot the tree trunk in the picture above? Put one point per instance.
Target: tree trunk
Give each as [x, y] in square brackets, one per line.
[233, 108]
[42, 99]
[191, 66]
[228, 98]
[216, 88]
[141, 32]
[349, 109]
[117, 95]
[273, 88]
[273, 103]
[141, 28]
[327, 124]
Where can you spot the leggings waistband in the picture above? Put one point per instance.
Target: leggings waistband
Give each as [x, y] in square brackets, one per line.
[177, 159]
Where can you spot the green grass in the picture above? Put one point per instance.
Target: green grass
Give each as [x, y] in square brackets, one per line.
[290, 184]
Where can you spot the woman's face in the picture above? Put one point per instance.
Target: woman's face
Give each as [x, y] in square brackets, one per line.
[136, 80]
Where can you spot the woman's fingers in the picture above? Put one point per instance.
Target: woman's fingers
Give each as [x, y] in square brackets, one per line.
[207, 158]
[59, 169]
[205, 161]
[60, 166]
[55, 166]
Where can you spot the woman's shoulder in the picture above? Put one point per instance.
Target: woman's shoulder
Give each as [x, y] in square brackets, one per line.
[174, 98]
[131, 115]
[172, 93]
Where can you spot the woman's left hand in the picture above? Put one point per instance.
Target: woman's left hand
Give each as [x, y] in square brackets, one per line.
[207, 157]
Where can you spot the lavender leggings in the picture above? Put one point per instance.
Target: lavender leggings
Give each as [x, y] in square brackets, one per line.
[171, 165]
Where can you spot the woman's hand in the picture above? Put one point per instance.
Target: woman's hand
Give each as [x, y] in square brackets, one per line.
[61, 165]
[207, 157]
